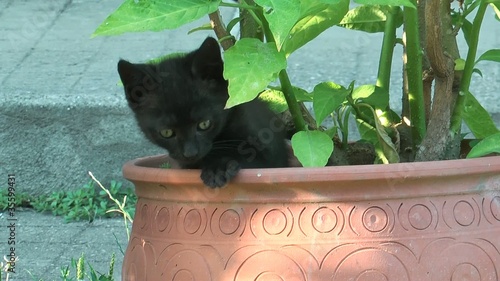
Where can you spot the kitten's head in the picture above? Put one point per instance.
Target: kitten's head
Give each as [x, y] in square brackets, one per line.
[179, 102]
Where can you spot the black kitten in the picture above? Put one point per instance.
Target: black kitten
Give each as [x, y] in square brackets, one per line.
[179, 105]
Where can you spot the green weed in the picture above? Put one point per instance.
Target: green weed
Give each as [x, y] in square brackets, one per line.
[87, 203]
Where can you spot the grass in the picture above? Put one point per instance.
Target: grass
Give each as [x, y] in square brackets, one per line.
[86, 203]
[81, 272]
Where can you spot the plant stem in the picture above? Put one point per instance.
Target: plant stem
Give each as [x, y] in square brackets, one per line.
[358, 113]
[286, 85]
[250, 24]
[437, 25]
[262, 21]
[385, 63]
[121, 206]
[293, 105]
[414, 73]
[344, 124]
[468, 68]
[219, 28]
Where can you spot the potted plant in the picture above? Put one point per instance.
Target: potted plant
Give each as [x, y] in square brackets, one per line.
[416, 218]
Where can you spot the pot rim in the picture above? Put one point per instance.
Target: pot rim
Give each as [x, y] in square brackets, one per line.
[140, 169]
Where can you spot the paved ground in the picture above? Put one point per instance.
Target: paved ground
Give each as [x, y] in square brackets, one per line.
[63, 114]
[45, 244]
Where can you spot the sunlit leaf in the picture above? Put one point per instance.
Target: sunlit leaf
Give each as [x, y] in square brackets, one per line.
[150, 15]
[459, 64]
[275, 100]
[496, 8]
[372, 95]
[318, 18]
[369, 18]
[249, 66]
[281, 16]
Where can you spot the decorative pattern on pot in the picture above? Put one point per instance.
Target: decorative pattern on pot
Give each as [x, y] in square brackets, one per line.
[375, 240]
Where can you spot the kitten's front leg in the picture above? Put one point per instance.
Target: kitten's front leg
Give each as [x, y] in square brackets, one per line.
[218, 172]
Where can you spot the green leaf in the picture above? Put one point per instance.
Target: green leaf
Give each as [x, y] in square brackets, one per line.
[372, 95]
[459, 64]
[281, 16]
[384, 147]
[487, 146]
[467, 30]
[476, 70]
[317, 19]
[275, 99]
[306, 6]
[233, 23]
[331, 132]
[206, 26]
[496, 8]
[301, 94]
[407, 3]
[490, 55]
[477, 118]
[369, 18]
[369, 134]
[469, 8]
[332, 2]
[312, 148]
[327, 96]
[150, 15]
[249, 66]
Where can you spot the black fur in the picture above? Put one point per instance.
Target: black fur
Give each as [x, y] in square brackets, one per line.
[179, 95]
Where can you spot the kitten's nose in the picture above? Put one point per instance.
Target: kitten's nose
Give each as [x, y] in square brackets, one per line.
[190, 152]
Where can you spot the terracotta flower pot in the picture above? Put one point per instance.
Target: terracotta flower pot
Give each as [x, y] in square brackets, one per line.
[412, 221]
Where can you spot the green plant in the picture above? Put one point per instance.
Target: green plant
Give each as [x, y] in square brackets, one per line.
[86, 203]
[79, 265]
[124, 208]
[77, 270]
[272, 30]
[80, 271]
[21, 199]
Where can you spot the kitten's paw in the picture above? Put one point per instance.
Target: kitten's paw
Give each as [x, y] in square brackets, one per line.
[219, 174]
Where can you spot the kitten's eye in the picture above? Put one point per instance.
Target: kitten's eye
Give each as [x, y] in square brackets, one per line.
[167, 133]
[205, 125]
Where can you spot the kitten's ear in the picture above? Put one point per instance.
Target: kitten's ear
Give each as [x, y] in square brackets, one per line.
[132, 78]
[207, 60]
[129, 73]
